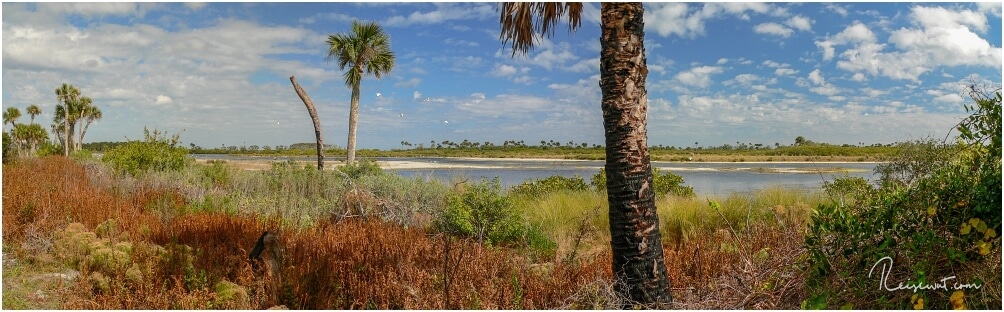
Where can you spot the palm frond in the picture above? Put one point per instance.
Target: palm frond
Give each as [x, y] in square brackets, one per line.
[522, 22]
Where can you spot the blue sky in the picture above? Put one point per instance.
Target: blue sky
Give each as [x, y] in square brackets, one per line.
[217, 73]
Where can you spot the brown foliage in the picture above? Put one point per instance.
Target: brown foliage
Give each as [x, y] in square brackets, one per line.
[360, 263]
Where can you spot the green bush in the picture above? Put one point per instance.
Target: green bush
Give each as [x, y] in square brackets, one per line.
[666, 183]
[484, 213]
[536, 188]
[935, 216]
[156, 152]
[360, 169]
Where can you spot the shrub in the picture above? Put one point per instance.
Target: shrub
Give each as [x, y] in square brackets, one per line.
[666, 183]
[360, 169]
[156, 152]
[536, 188]
[484, 213]
[934, 220]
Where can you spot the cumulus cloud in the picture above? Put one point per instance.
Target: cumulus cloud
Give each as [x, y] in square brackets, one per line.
[943, 37]
[698, 76]
[946, 38]
[667, 19]
[773, 29]
[800, 22]
[503, 70]
[163, 100]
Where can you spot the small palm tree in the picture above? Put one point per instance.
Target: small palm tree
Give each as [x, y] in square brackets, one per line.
[33, 111]
[11, 115]
[68, 96]
[638, 262]
[366, 50]
[91, 114]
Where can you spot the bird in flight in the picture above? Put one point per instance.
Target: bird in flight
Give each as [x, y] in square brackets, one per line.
[378, 94]
[446, 121]
[402, 115]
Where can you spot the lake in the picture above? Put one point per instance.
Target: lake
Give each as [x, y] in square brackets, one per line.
[705, 178]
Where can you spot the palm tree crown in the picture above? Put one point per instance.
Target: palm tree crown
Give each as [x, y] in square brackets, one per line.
[365, 49]
[33, 110]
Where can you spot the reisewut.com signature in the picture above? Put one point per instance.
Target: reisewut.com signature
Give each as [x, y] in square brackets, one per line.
[942, 284]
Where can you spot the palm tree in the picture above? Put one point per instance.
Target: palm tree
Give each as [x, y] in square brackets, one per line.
[638, 263]
[90, 114]
[11, 115]
[33, 111]
[68, 96]
[366, 50]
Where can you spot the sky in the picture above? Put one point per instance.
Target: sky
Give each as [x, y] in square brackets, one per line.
[719, 73]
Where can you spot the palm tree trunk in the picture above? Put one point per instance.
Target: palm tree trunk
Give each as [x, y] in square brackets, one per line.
[353, 119]
[638, 263]
[313, 116]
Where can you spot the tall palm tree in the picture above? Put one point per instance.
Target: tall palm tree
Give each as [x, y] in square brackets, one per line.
[91, 113]
[33, 111]
[11, 115]
[366, 50]
[68, 96]
[638, 263]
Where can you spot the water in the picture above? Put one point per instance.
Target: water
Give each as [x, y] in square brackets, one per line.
[705, 178]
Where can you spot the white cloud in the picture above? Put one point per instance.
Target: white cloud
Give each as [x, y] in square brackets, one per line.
[667, 19]
[800, 22]
[943, 38]
[816, 77]
[785, 71]
[163, 100]
[698, 76]
[990, 7]
[416, 95]
[503, 70]
[443, 12]
[773, 29]
[837, 9]
[822, 87]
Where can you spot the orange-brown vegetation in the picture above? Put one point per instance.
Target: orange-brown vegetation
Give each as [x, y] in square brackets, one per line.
[199, 260]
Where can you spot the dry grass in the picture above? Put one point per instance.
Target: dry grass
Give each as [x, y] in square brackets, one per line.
[352, 263]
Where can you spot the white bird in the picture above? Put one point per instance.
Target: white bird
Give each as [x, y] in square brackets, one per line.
[427, 99]
[446, 121]
[378, 94]
[402, 116]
